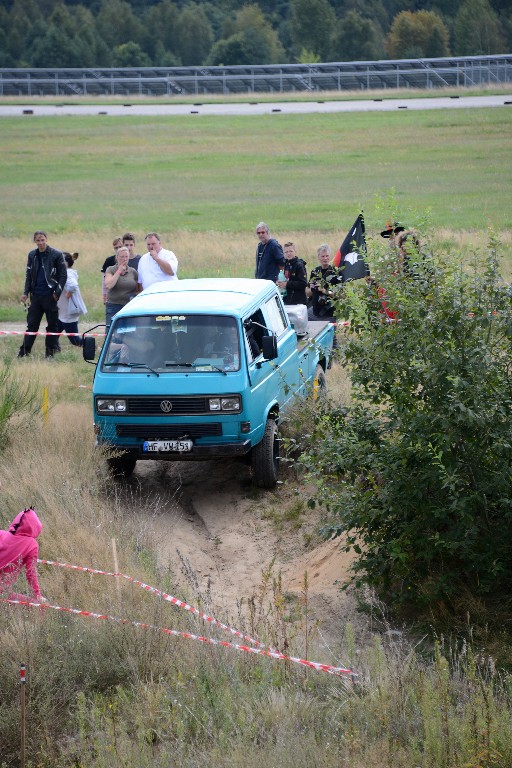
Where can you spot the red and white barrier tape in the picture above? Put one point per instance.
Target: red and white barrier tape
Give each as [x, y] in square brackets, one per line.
[159, 593]
[339, 671]
[46, 333]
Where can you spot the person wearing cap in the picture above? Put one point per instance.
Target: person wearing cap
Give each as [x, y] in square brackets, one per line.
[391, 230]
[19, 549]
[409, 264]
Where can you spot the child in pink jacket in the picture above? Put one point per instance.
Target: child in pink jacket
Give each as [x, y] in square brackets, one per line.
[18, 549]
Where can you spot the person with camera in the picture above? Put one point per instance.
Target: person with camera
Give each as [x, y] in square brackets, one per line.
[320, 288]
[321, 282]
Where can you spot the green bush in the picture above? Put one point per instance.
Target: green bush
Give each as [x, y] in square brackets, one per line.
[417, 470]
[18, 399]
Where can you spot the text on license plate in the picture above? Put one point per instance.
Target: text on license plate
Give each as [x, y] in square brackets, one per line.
[178, 446]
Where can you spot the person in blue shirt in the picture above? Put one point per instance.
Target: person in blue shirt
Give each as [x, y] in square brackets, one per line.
[269, 255]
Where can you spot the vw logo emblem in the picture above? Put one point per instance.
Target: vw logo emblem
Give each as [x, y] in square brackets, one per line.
[166, 406]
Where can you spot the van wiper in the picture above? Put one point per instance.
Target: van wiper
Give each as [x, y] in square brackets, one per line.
[134, 365]
[172, 364]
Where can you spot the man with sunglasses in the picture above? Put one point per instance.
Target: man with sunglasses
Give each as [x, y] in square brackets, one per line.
[269, 255]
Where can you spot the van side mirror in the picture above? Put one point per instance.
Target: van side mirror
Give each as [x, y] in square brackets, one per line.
[269, 347]
[89, 348]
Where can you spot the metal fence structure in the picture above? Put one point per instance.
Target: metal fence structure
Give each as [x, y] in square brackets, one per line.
[462, 72]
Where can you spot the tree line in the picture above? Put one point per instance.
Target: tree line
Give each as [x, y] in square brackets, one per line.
[163, 33]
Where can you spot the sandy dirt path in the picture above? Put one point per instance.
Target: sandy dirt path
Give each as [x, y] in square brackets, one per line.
[224, 541]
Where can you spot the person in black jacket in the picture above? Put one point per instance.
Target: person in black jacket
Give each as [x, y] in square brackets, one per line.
[294, 285]
[44, 281]
[269, 255]
[320, 287]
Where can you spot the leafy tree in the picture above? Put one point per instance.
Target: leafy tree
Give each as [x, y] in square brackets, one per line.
[237, 49]
[312, 24]
[130, 55]
[357, 39]
[417, 470]
[418, 34]
[194, 35]
[250, 39]
[478, 30]
[6, 60]
[369, 9]
[24, 14]
[308, 57]
[53, 49]
[91, 51]
[162, 21]
[251, 21]
[116, 24]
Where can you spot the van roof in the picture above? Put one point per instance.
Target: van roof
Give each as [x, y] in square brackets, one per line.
[201, 295]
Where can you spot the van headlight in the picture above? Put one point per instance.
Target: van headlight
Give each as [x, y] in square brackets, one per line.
[109, 405]
[230, 404]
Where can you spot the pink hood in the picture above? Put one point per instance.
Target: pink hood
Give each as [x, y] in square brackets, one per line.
[28, 524]
[22, 541]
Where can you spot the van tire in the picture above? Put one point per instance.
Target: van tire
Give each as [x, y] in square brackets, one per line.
[121, 466]
[265, 457]
[319, 384]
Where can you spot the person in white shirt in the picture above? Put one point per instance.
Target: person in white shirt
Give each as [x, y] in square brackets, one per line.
[157, 264]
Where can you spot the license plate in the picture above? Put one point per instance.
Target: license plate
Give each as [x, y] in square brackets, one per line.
[175, 446]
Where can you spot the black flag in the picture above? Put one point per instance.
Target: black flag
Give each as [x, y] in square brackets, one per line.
[350, 257]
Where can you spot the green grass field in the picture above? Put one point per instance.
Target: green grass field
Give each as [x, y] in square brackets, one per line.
[223, 174]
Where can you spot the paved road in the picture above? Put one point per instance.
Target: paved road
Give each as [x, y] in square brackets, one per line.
[260, 108]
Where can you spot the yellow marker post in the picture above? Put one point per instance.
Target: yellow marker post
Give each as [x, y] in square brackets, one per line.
[44, 407]
[316, 389]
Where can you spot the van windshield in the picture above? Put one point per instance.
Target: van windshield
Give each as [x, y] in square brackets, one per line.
[172, 343]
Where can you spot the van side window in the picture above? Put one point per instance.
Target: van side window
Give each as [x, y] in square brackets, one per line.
[278, 319]
[254, 333]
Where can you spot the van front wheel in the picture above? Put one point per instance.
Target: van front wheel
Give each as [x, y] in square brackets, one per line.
[121, 466]
[265, 458]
